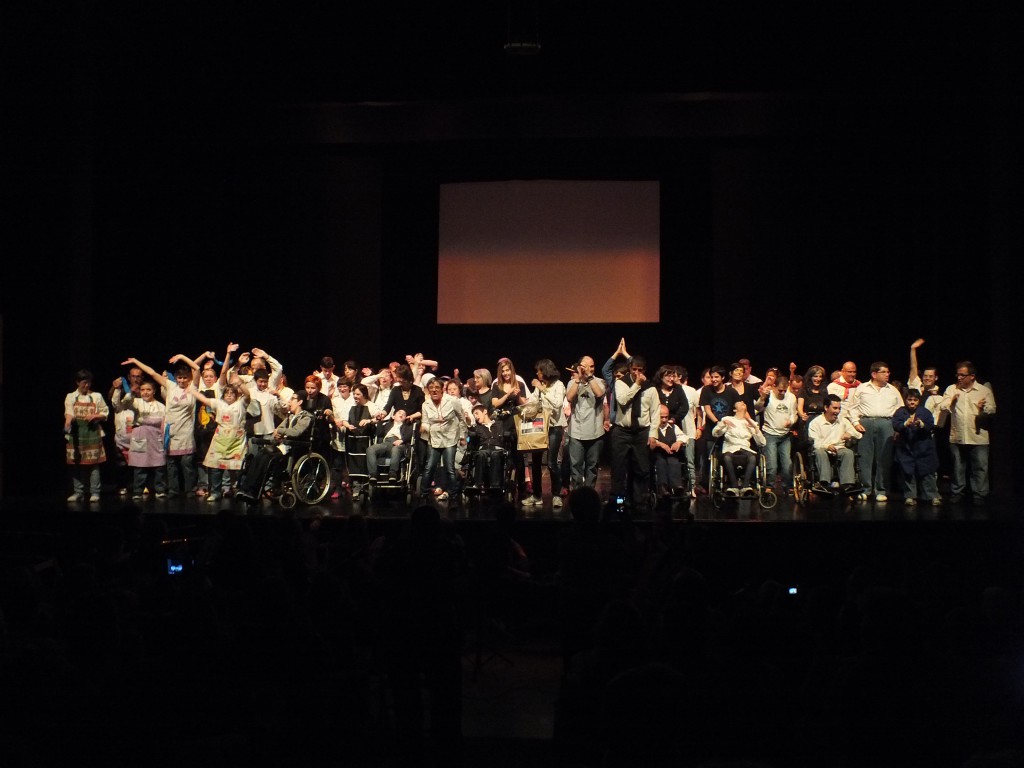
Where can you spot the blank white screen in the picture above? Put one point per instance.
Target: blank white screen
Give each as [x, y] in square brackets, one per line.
[549, 252]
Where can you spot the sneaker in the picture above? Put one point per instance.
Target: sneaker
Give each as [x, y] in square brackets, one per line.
[732, 493]
[392, 478]
[201, 492]
[529, 501]
[910, 502]
[123, 492]
[443, 496]
[94, 498]
[76, 497]
[862, 497]
[137, 497]
[937, 502]
[881, 497]
[693, 493]
[161, 495]
[556, 502]
[748, 492]
[213, 497]
[820, 487]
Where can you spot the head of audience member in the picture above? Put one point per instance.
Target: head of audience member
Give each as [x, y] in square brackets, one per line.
[284, 395]
[740, 409]
[344, 389]
[481, 415]
[879, 373]
[771, 376]
[966, 374]
[292, 401]
[836, 375]
[621, 370]
[705, 378]
[849, 372]
[385, 378]
[718, 374]
[747, 367]
[230, 394]
[796, 383]
[546, 370]
[312, 386]
[482, 379]
[360, 394]
[262, 378]
[147, 391]
[780, 386]
[453, 387]
[585, 367]
[435, 390]
[257, 364]
[814, 379]
[682, 375]
[327, 367]
[399, 416]
[833, 405]
[663, 414]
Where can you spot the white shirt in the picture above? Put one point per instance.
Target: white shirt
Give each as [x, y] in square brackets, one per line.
[963, 429]
[870, 401]
[823, 434]
[738, 433]
[779, 413]
[440, 422]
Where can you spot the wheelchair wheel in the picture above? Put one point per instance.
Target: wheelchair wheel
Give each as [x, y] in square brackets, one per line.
[715, 484]
[287, 500]
[801, 480]
[768, 498]
[311, 478]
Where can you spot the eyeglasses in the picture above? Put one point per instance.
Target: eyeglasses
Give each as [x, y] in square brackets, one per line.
[963, 375]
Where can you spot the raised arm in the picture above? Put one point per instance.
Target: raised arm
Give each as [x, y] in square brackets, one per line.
[157, 377]
[232, 347]
[180, 358]
[913, 360]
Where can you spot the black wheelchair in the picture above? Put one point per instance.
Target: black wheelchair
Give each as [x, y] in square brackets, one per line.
[299, 476]
[806, 476]
[764, 491]
[389, 481]
[480, 471]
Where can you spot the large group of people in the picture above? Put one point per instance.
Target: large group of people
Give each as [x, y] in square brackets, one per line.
[187, 427]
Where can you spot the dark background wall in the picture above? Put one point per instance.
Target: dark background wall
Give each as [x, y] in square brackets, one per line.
[829, 192]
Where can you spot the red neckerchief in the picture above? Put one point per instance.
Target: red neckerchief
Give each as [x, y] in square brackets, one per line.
[846, 387]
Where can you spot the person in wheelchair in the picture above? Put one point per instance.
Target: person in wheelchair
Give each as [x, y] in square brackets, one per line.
[667, 442]
[829, 435]
[486, 450]
[274, 450]
[394, 437]
[737, 431]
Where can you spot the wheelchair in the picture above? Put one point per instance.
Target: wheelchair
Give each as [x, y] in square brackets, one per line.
[805, 475]
[506, 489]
[302, 475]
[381, 485]
[763, 490]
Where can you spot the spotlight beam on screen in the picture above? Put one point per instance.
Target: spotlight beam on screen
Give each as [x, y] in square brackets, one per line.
[549, 251]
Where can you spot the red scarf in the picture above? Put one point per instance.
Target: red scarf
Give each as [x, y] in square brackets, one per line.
[846, 387]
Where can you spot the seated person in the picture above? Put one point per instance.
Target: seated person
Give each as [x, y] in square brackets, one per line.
[667, 442]
[486, 449]
[394, 436]
[828, 434]
[738, 430]
[298, 423]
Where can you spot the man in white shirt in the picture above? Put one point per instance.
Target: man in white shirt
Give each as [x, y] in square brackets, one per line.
[585, 394]
[970, 406]
[778, 407]
[636, 405]
[874, 403]
[828, 434]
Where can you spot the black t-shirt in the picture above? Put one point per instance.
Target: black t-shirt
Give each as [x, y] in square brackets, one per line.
[749, 396]
[721, 403]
